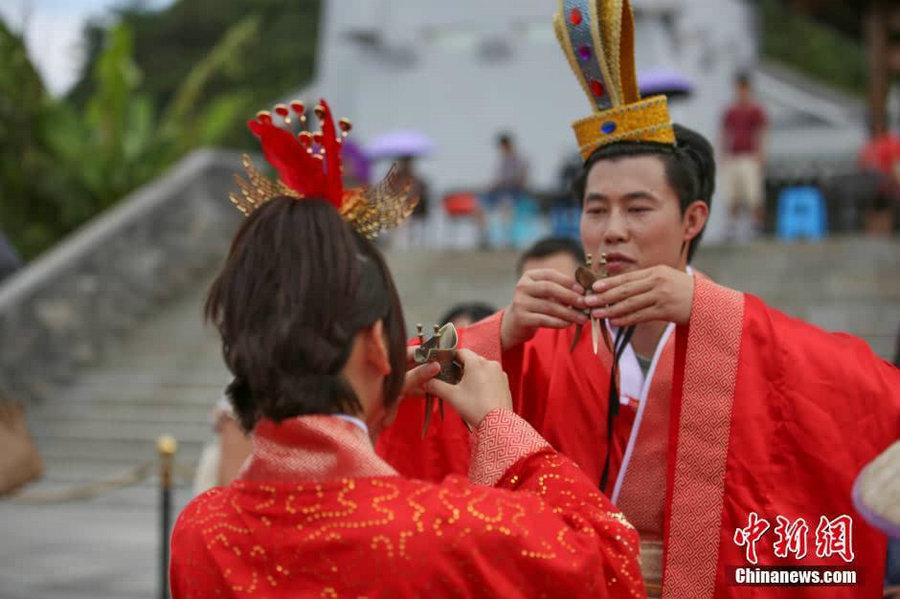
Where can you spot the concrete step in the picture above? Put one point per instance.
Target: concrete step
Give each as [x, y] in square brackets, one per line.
[105, 390]
[121, 430]
[107, 547]
[159, 412]
[114, 379]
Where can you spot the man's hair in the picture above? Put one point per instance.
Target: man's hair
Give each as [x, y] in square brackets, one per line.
[475, 311]
[690, 168]
[504, 138]
[297, 286]
[742, 78]
[549, 246]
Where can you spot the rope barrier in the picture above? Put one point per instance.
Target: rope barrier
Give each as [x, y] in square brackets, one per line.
[184, 473]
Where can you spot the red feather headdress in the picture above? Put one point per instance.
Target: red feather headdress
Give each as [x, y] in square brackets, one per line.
[309, 166]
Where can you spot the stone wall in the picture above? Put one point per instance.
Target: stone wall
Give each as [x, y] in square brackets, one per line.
[63, 309]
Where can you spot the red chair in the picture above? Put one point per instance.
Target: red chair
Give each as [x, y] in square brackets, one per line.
[461, 204]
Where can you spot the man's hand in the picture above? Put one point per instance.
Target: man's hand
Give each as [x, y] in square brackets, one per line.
[543, 298]
[655, 293]
[483, 388]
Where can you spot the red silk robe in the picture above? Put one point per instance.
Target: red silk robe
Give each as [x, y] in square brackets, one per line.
[749, 412]
[316, 513]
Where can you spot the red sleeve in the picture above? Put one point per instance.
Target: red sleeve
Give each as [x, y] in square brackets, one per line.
[444, 449]
[837, 375]
[587, 546]
[527, 366]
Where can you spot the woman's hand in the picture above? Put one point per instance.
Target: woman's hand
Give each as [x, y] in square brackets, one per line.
[544, 297]
[655, 293]
[417, 376]
[483, 388]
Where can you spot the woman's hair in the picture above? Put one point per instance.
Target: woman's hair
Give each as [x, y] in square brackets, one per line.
[297, 286]
[690, 168]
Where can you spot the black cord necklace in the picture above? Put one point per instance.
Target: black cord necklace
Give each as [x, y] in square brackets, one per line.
[623, 337]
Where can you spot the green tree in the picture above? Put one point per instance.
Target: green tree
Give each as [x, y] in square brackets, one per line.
[168, 42]
[61, 164]
[814, 46]
[34, 190]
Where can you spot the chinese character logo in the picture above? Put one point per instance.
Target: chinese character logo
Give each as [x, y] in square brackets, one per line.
[791, 537]
[749, 536]
[835, 537]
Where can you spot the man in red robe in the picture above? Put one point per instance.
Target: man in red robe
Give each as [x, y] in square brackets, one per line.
[742, 413]
[738, 431]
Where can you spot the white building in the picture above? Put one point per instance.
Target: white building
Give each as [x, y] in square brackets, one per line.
[465, 70]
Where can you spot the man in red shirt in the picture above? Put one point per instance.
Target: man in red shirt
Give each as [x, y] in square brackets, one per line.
[743, 127]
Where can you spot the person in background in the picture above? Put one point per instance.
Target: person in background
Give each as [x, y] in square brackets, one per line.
[507, 189]
[743, 147]
[408, 175]
[462, 315]
[559, 253]
[512, 170]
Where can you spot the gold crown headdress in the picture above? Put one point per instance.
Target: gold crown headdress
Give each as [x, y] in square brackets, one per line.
[597, 37]
[309, 166]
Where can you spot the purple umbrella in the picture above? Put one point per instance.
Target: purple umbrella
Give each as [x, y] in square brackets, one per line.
[355, 158]
[395, 144]
[662, 80]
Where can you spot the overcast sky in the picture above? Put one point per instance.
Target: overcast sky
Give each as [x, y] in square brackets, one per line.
[53, 33]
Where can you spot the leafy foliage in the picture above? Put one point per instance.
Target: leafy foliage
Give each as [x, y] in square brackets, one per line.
[32, 188]
[167, 43]
[812, 46]
[155, 86]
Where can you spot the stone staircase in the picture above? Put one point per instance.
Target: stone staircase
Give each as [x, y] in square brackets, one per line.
[163, 378]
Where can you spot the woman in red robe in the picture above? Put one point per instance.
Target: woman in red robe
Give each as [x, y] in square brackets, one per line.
[313, 332]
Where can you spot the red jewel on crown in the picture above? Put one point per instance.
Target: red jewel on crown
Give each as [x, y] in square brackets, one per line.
[575, 17]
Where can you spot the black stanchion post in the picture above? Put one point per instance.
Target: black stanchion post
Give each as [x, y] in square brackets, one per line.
[166, 446]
